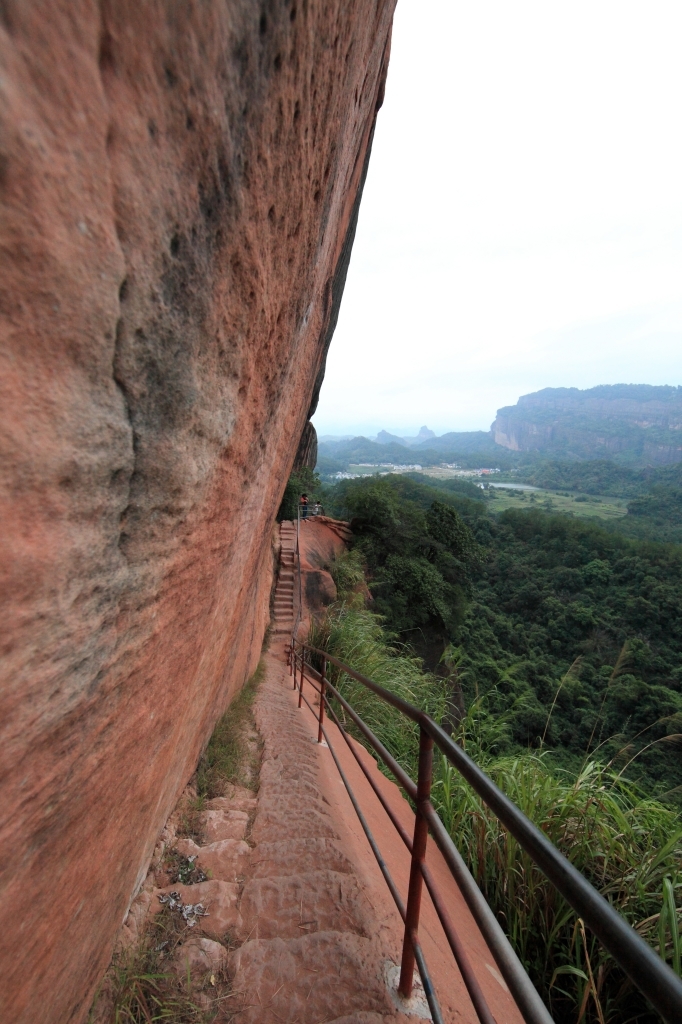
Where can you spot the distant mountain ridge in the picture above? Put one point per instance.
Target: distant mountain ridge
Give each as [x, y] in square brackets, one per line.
[424, 435]
[470, 449]
[635, 425]
[639, 424]
[475, 442]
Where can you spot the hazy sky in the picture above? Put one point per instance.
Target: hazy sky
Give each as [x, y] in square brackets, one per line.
[521, 225]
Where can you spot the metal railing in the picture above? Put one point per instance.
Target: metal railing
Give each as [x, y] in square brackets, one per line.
[309, 511]
[652, 976]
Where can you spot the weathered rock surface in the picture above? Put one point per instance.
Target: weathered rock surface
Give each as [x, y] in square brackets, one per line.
[225, 859]
[321, 540]
[238, 799]
[219, 825]
[306, 454]
[199, 955]
[178, 193]
[309, 901]
[292, 980]
[638, 424]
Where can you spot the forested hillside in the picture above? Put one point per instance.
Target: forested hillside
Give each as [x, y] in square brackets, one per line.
[467, 449]
[570, 633]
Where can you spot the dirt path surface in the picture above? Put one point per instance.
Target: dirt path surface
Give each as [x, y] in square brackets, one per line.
[322, 935]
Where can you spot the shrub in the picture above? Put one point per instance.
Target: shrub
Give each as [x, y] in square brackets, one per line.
[347, 572]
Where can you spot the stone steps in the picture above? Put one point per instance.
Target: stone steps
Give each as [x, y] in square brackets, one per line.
[310, 953]
[283, 603]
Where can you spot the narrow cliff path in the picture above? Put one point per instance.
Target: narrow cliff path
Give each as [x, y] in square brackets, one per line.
[321, 935]
[316, 944]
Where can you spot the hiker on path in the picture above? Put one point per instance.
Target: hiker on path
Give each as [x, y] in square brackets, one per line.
[304, 506]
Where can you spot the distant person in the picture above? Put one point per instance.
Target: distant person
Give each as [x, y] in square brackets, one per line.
[304, 506]
[318, 510]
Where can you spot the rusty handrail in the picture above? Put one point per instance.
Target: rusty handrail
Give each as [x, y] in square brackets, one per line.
[536, 1012]
[647, 970]
[414, 943]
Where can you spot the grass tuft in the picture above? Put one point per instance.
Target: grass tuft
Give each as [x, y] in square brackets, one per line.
[190, 825]
[141, 987]
[229, 758]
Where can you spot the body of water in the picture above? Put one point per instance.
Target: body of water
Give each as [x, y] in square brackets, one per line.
[515, 487]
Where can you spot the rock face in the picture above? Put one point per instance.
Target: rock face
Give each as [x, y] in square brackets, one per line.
[634, 423]
[321, 541]
[306, 455]
[179, 186]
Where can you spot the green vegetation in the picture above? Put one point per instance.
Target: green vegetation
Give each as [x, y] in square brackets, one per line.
[301, 481]
[347, 571]
[629, 847]
[356, 637]
[141, 985]
[597, 476]
[227, 759]
[552, 626]
[657, 514]
[523, 596]
[653, 496]
[451, 485]
[501, 498]
[421, 559]
[557, 593]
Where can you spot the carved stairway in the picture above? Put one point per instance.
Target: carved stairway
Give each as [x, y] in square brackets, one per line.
[283, 612]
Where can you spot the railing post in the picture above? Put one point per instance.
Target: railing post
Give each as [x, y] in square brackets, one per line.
[300, 682]
[292, 656]
[414, 895]
[323, 687]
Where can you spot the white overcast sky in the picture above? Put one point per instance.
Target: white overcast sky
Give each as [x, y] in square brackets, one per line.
[521, 225]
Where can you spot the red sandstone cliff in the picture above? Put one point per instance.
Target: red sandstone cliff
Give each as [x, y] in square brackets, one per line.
[178, 191]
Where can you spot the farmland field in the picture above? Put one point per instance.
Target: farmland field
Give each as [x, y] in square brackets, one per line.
[591, 506]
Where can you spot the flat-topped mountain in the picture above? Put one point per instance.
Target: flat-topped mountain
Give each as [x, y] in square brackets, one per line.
[634, 423]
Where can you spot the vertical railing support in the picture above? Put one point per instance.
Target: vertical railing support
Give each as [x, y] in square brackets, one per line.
[323, 687]
[300, 682]
[414, 894]
[292, 655]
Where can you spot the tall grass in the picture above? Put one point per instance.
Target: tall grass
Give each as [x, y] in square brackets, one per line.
[629, 847]
[357, 637]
